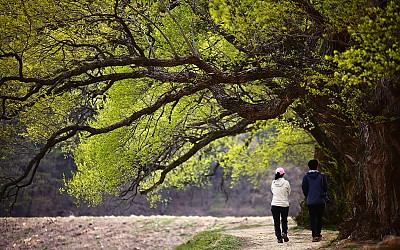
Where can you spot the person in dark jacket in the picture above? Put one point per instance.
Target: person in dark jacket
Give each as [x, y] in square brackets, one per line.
[315, 186]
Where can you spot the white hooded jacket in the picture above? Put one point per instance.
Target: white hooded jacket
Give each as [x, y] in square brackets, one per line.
[280, 192]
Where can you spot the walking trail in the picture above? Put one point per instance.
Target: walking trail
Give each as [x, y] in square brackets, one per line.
[263, 237]
[145, 232]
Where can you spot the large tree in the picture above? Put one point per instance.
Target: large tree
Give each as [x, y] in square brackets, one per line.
[148, 88]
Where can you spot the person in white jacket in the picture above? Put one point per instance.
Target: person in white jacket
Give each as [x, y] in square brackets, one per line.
[280, 204]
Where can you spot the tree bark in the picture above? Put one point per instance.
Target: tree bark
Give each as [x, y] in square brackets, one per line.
[376, 191]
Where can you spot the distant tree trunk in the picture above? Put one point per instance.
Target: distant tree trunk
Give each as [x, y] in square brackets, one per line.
[376, 189]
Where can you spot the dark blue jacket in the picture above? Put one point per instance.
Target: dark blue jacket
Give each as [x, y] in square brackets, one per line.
[314, 185]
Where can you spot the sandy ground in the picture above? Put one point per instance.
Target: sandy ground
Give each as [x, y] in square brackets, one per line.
[264, 238]
[140, 232]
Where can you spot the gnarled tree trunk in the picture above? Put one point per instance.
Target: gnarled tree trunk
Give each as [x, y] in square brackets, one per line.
[376, 189]
[363, 161]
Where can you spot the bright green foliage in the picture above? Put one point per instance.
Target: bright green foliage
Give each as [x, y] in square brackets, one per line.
[67, 32]
[27, 30]
[107, 162]
[208, 240]
[273, 143]
[254, 22]
[377, 53]
[43, 120]
[88, 66]
[373, 60]
[342, 14]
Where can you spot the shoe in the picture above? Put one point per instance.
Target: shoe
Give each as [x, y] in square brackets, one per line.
[280, 241]
[285, 238]
[316, 239]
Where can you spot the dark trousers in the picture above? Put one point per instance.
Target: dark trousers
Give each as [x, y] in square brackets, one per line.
[316, 212]
[279, 213]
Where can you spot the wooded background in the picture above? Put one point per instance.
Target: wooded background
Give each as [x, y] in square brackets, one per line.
[44, 198]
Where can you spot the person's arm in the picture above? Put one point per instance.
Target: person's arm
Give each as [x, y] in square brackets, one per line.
[288, 189]
[325, 184]
[304, 186]
[272, 187]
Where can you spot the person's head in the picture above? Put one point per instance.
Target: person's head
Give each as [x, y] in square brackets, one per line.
[313, 164]
[279, 172]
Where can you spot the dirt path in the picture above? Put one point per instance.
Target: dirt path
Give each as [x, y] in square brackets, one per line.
[139, 232]
[264, 238]
[258, 238]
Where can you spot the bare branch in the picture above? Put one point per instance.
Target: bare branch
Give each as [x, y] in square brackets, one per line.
[190, 45]
[216, 27]
[17, 57]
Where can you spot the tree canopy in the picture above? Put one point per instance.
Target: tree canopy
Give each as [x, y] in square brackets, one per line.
[150, 93]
